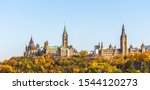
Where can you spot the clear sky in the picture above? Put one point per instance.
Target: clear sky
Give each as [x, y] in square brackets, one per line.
[88, 22]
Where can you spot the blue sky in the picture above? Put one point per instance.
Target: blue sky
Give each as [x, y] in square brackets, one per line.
[88, 22]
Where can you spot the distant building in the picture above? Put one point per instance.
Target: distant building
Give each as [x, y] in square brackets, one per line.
[31, 49]
[63, 51]
[123, 50]
[147, 47]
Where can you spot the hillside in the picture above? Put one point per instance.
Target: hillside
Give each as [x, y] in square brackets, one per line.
[82, 63]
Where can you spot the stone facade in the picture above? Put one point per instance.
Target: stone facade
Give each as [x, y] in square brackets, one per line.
[63, 51]
[123, 42]
[123, 50]
[31, 49]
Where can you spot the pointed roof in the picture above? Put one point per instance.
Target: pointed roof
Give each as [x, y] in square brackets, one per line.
[31, 45]
[101, 45]
[142, 45]
[65, 30]
[131, 46]
[110, 46]
[123, 30]
[31, 40]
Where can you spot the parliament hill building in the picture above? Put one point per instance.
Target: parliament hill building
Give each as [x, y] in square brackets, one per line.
[123, 50]
[66, 51]
[63, 51]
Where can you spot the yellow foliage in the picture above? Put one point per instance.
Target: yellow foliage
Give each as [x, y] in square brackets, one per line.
[82, 63]
[94, 64]
[83, 53]
[36, 61]
[42, 59]
[6, 69]
[76, 70]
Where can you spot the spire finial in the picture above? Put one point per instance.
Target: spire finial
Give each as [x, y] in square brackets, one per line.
[101, 45]
[123, 30]
[142, 45]
[65, 29]
[31, 40]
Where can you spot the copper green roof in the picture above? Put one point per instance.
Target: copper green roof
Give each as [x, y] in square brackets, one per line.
[53, 47]
[65, 30]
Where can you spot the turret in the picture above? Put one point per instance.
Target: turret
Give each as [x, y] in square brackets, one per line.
[45, 47]
[101, 45]
[26, 48]
[110, 47]
[31, 40]
[142, 48]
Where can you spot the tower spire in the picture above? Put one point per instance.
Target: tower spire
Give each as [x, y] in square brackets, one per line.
[123, 42]
[101, 45]
[65, 38]
[65, 30]
[31, 40]
[123, 30]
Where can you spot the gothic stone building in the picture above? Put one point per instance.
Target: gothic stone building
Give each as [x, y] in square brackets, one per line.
[64, 50]
[31, 49]
[123, 50]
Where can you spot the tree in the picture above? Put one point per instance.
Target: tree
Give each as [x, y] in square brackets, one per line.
[144, 68]
[83, 53]
[6, 69]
